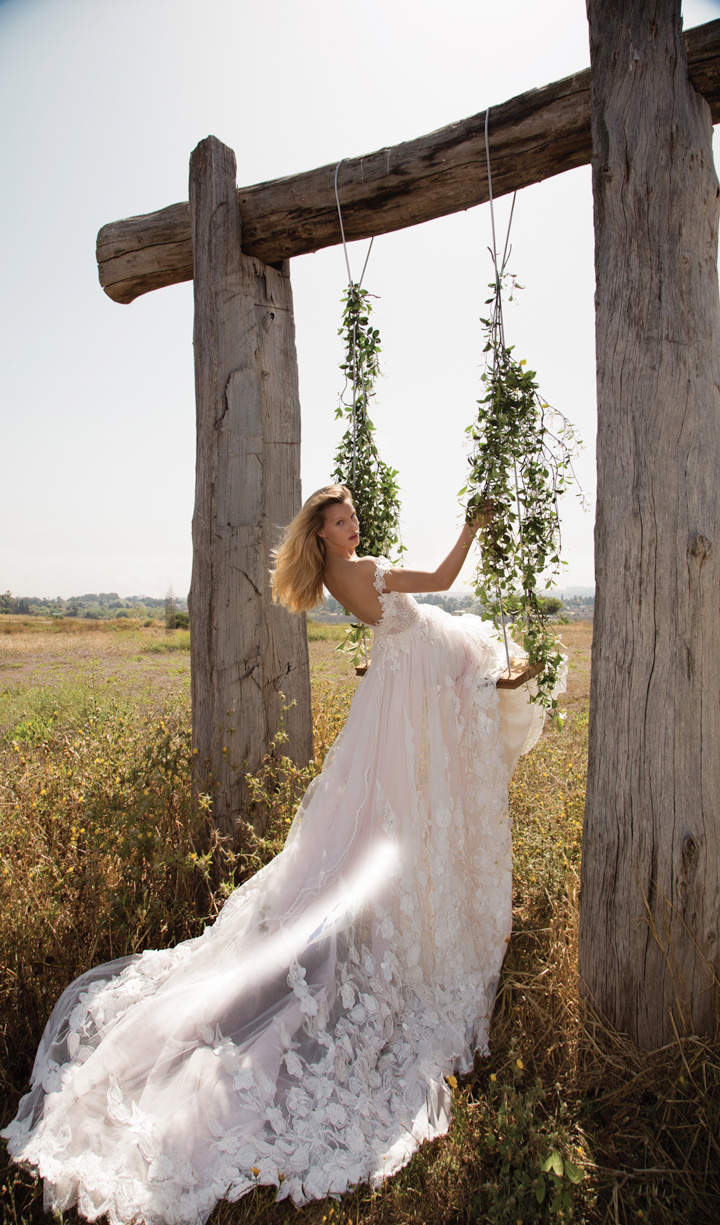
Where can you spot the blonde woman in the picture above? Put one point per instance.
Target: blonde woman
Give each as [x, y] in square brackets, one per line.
[305, 1040]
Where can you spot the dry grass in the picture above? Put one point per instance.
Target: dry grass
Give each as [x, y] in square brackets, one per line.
[566, 1120]
[71, 627]
[53, 668]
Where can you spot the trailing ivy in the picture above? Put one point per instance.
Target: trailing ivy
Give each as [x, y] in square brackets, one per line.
[357, 462]
[521, 461]
[358, 465]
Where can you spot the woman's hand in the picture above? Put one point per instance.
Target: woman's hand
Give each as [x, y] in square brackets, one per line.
[479, 514]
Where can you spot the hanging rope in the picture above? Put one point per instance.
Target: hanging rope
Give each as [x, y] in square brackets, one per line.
[342, 231]
[356, 368]
[499, 323]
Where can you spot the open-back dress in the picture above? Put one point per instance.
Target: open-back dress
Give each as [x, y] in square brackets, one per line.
[304, 1039]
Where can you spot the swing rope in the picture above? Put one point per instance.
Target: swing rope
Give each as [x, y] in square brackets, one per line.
[499, 323]
[356, 367]
[342, 231]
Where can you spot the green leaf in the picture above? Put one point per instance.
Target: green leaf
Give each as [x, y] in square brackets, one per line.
[573, 1172]
[555, 1163]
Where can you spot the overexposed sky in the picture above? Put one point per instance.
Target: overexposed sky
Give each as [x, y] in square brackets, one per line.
[101, 103]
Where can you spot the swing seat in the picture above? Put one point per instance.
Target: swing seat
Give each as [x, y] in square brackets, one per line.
[520, 672]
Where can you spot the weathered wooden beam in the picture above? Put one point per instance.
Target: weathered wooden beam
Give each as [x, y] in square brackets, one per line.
[249, 656]
[533, 137]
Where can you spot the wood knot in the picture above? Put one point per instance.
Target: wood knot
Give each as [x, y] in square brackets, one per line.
[689, 849]
[701, 548]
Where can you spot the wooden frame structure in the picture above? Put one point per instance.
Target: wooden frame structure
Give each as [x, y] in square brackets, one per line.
[249, 659]
[246, 371]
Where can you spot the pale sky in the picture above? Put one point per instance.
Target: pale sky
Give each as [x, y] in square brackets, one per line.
[101, 104]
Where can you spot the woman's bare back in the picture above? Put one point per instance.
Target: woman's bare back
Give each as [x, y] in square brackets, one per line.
[351, 582]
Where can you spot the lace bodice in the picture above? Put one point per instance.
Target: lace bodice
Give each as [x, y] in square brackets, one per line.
[400, 612]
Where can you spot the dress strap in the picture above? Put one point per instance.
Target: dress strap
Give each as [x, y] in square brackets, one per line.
[382, 565]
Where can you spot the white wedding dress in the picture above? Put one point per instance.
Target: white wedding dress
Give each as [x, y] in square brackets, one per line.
[304, 1039]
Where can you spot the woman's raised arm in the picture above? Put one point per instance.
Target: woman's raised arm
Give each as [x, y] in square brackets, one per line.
[444, 576]
[400, 579]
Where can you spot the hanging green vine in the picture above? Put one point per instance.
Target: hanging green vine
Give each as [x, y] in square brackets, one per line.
[358, 465]
[521, 461]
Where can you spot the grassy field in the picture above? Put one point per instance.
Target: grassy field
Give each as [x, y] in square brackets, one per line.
[102, 852]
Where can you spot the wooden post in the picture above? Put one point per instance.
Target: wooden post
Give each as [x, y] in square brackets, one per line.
[249, 657]
[650, 904]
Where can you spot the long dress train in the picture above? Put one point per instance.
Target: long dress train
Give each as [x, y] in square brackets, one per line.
[303, 1039]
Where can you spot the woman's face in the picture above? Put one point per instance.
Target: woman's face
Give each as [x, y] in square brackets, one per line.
[341, 529]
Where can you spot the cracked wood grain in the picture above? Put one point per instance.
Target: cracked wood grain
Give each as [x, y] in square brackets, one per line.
[247, 484]
[650, 903]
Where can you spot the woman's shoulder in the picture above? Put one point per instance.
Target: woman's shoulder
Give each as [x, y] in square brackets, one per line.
[374, 562]
[373, 568]
[370, 565]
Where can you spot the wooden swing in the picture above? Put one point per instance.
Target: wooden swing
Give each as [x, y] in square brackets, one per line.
[518, 671]
[518, 674]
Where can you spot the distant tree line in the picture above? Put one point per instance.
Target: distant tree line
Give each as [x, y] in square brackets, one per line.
[553, 603]
[95, 606]
[579, 601]
[173, 610]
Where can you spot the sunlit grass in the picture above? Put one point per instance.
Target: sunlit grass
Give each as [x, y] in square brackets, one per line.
[325, 631]
[176, 640]
[73, 626]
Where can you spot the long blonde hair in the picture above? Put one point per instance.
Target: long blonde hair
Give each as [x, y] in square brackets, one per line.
[297, 580]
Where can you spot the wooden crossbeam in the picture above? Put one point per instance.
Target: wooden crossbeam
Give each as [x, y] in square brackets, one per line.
[533, 137]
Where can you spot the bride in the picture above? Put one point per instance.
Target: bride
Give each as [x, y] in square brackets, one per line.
[304, 1040]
